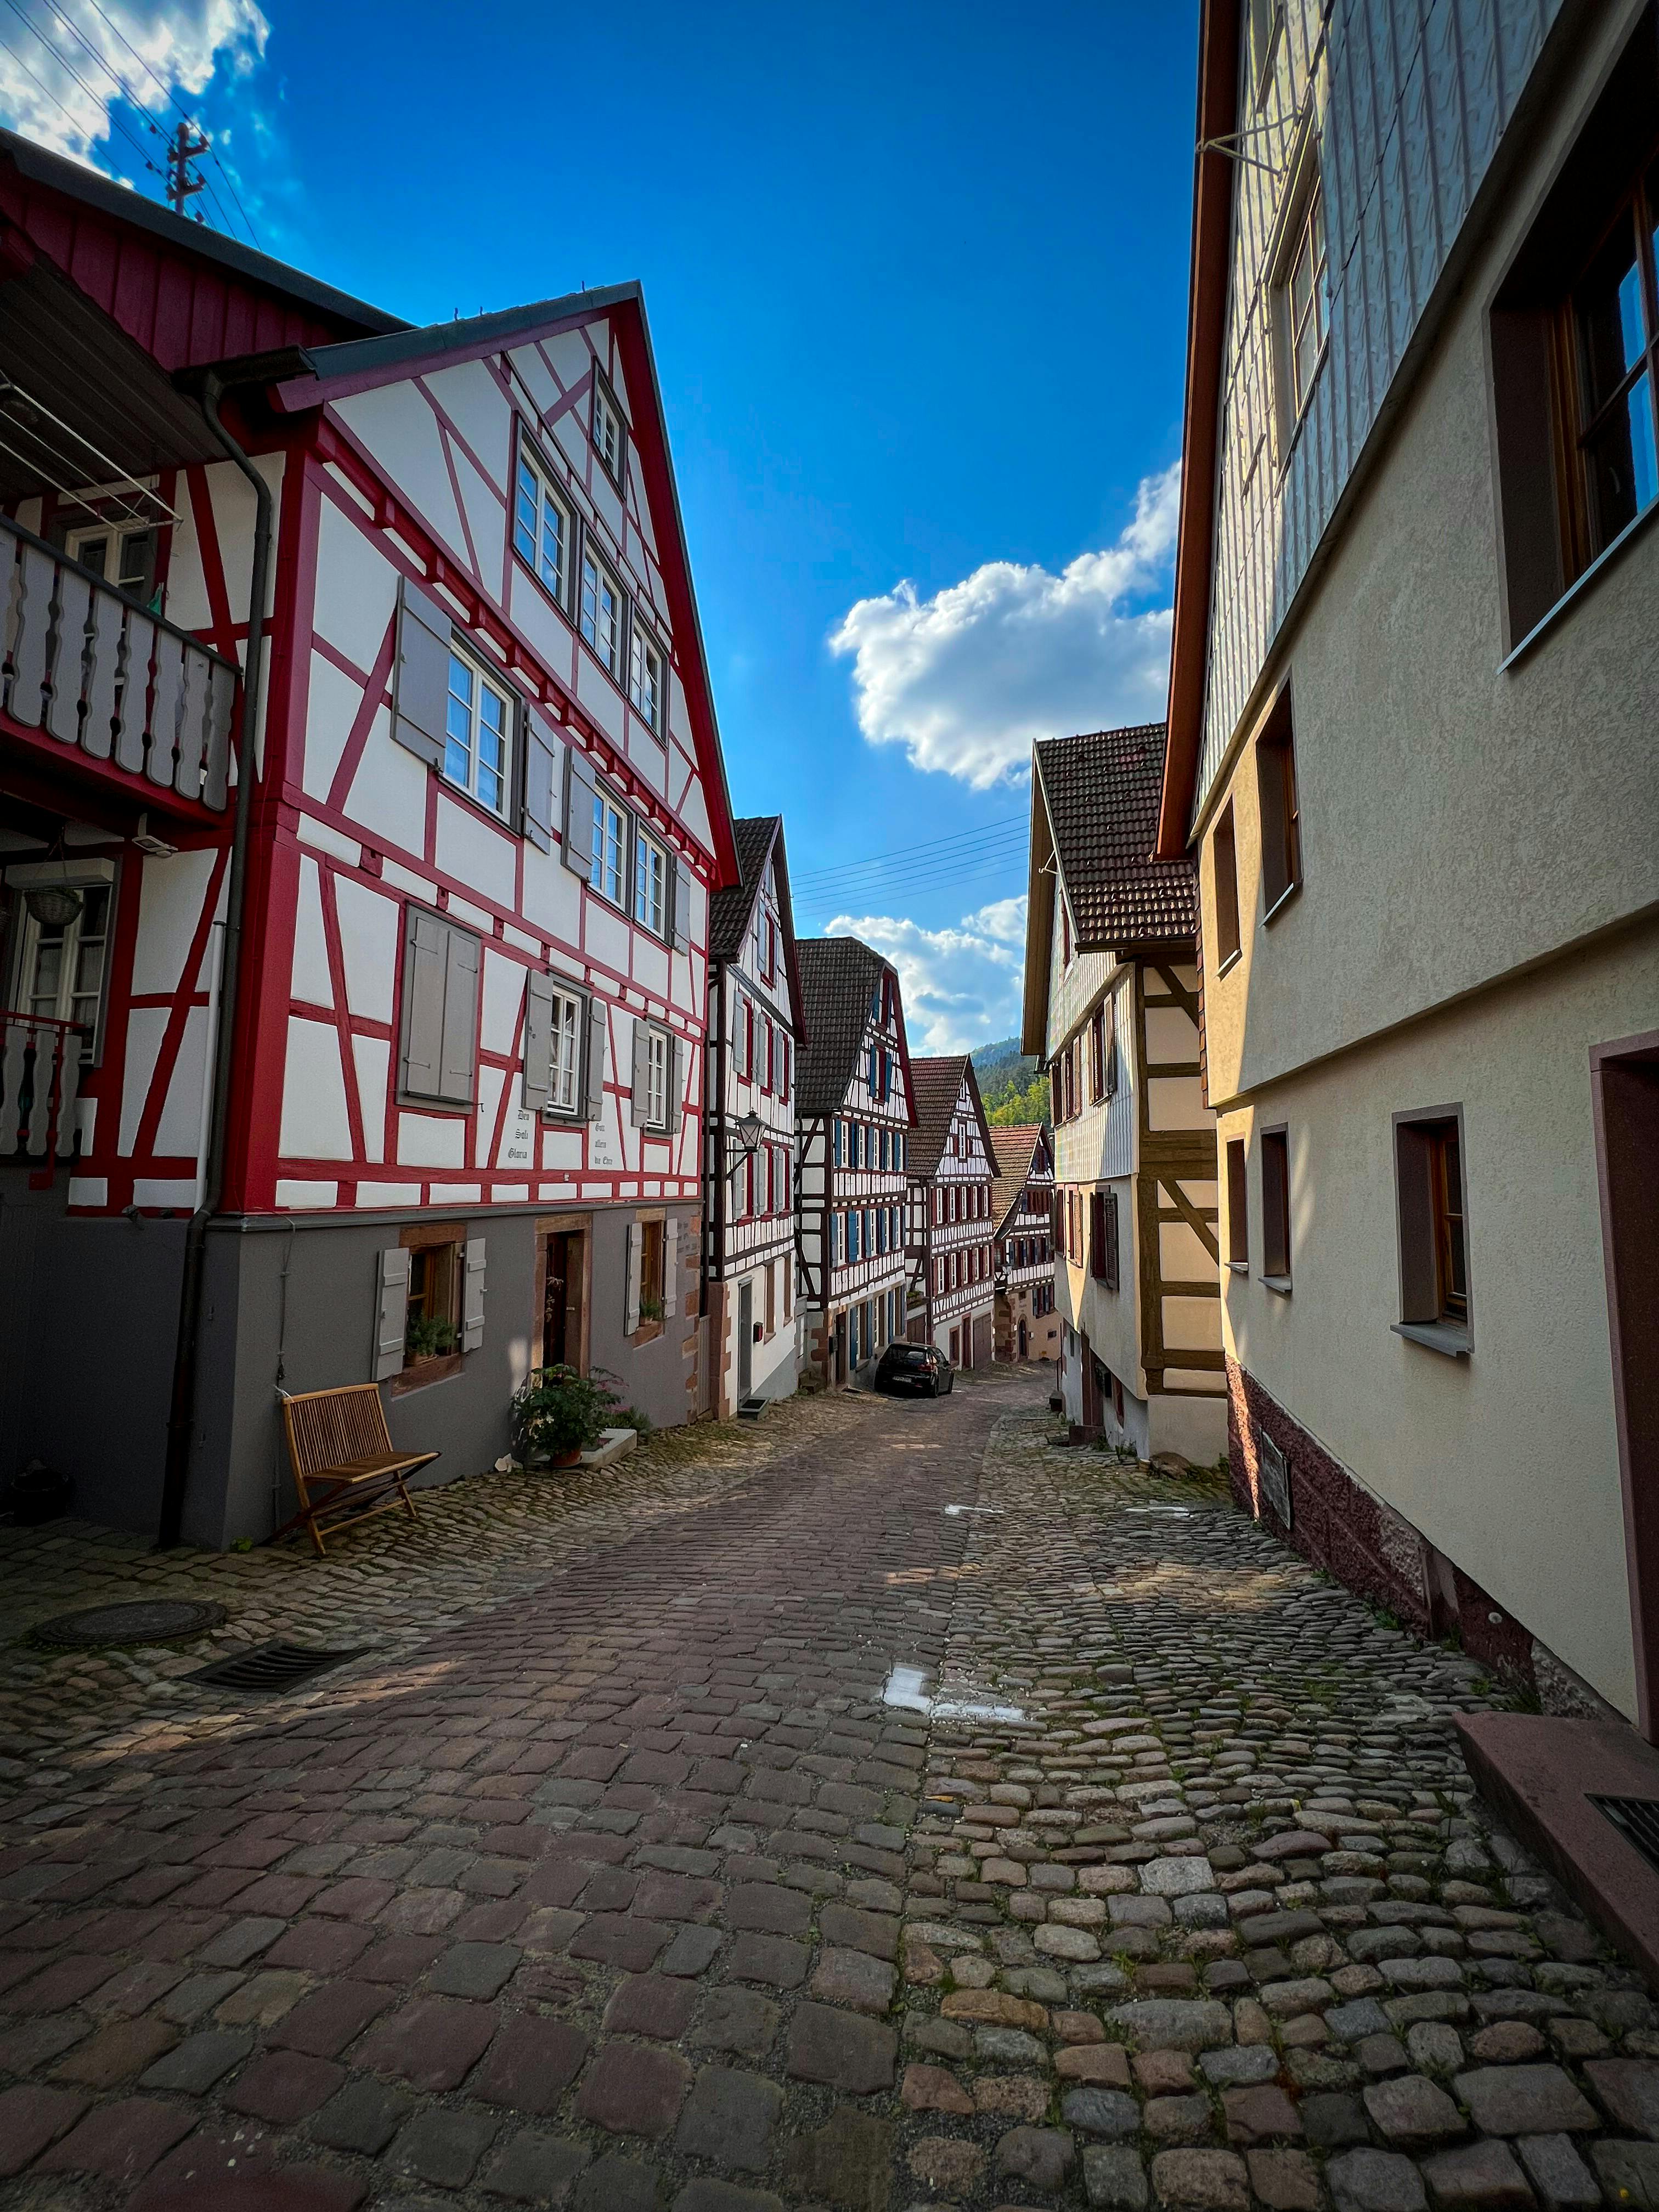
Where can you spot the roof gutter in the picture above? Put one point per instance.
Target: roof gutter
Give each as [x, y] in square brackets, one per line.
[181, 1417]
[1206, 321]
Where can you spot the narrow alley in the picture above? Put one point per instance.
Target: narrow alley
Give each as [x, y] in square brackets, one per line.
[1155, 1868]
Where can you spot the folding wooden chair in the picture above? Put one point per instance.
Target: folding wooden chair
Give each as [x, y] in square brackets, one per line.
[344, 1467]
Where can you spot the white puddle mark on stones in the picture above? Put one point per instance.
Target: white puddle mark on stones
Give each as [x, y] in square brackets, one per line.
[954, 1509]
[907, 1688]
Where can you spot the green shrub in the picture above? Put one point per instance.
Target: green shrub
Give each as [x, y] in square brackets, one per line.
[559, 1411]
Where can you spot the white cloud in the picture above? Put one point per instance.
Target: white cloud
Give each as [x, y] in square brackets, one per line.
[961, 986]
[59, 83]
[967, 680]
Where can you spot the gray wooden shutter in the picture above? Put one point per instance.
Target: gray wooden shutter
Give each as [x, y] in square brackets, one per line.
[671, 1269]
[580, 789]
[676, 1082]
[678, 901]
[1111, 1240]
[541, 762]
[635, 1263]
[537, 1041]
[473, 1296]
[460, 1030]
[593, 1093]
[641, 1084]
[391, 1317]
[421, 694]
[425, 969]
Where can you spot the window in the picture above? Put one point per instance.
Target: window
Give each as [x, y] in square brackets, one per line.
[607, 429]
[1616, 328]
[768, 944]
[1276, 1208]
[439, 1010]
[1304, 305]
[1223, 869]
[783, 1067]
[644, 678]
[650, 886]
[1238, 1205]
[478, 731]
[1575, 349]
[1103, 1238]
[601, 612]
[1434, 1274]
[1281, 819]
[431, 1304]
[767, 1049]
[541, 527]
[567, 1054]
[648, 1254]
[1097, 1054]
[900, 1146]
[610, 848]
[61, 973]
[432, 1328]
[1267, 18]
[122, 555]
[656, 1079]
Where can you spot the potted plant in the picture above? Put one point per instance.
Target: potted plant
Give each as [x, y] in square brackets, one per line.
[559, 1413]
[429, 1337]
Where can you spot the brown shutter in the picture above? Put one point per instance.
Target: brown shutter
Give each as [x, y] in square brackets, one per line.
[420, 695]
[1111, 1240]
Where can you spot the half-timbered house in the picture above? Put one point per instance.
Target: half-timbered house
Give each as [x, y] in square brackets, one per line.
[1027, 1319]
[1111, 1004]
[951, 1250]
[749, 1129]
[854, 1116]
[452, 1129]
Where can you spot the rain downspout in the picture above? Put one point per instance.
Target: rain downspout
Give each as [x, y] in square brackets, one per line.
[181, 1417]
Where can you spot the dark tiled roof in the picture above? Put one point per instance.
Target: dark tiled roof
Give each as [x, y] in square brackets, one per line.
[1013, 1147]
[937, 1085]
[838, 976]
[1103, 792]
[729, 911]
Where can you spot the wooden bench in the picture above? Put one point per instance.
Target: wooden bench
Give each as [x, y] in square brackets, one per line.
[344, 1467]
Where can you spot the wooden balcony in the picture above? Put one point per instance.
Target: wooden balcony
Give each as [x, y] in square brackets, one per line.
[92, 675]
[40, 1075]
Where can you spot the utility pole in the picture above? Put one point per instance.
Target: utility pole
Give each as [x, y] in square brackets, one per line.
[188, 145]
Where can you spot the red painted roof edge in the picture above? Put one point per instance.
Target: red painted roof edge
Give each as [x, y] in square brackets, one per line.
[1206, 322]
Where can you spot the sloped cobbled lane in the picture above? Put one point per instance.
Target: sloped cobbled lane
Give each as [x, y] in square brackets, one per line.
[933, 1817]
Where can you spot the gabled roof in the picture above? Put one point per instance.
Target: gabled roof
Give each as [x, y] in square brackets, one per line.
[838, 978]
[938, 1085]
[76, 181]
[1014, 1147]
[1094, 817]
[311, 376]
[758, 838]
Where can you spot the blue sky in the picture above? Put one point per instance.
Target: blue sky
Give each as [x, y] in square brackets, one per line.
[917, 284]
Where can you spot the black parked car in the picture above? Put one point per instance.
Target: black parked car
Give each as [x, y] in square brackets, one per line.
[921, 1368]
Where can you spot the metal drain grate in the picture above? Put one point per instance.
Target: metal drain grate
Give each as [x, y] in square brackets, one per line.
[273, 1666]
[1637, 1820]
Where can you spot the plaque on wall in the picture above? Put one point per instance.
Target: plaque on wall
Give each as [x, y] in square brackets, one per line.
[1274, 1477]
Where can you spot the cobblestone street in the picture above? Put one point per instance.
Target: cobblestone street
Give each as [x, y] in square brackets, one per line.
[894, 1811]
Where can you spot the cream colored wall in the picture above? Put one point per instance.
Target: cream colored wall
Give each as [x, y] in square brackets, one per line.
[1507, 1461]
[1458, 821]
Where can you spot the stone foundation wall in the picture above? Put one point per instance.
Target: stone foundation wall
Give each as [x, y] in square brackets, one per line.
[1347, 1529]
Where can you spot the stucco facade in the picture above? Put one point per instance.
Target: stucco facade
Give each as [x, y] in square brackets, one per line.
[1473, 911]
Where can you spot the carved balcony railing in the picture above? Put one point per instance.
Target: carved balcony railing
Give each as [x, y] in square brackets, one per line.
[88, 666]
[40, 1075]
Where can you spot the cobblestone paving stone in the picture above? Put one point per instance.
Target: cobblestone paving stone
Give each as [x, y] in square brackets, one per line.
[1154, 1880]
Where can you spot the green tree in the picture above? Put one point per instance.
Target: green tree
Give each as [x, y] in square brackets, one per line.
[1016, 1104]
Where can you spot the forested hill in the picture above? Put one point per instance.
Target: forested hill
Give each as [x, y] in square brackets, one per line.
[1009, 1082]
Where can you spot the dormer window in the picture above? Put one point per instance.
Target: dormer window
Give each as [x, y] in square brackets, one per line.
[607, 430]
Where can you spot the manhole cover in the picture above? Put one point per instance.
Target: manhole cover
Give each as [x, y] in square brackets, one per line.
[273, 1666]
[160, 1622]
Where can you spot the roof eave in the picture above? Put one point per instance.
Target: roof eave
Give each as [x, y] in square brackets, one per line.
[1213, 195]
[1039, 920]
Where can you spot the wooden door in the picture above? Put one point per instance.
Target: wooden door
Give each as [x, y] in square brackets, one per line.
[746, 1341]
[561, 1299]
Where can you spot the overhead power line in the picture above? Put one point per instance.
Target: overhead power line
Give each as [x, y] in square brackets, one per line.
[908, 853]
[168, 93]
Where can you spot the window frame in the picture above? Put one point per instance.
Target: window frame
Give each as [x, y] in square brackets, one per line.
[1429, 1312]
[605, 576]
[485, 678]
[86, 876]
[1581, 422]
[642, 646]
[1224, 880]
[1280, 808]
[603, 401]
[1276, 1224]
[1237, 1169]
[645, 846]
[74, 539]
[528, 459]
[659, 1076]
[552, 1107]
[419, 1238]
[1307, 206]
[606, 804]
